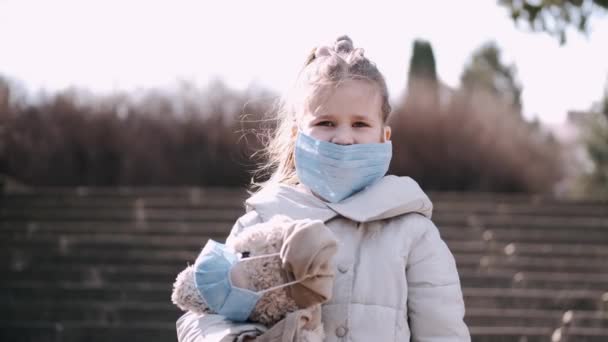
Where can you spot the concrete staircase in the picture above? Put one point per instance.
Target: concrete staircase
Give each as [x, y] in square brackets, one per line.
[98, 264]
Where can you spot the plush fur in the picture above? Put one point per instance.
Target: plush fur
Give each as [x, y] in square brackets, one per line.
[273, 306]
[315, 335]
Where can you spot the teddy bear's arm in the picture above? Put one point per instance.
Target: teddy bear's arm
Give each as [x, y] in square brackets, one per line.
[185, 295]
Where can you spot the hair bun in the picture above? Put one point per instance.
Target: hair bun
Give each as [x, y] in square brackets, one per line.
[343, 44]
[323, 51]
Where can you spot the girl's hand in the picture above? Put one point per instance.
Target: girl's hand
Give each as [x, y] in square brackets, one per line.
[303, 325]
[314, 319]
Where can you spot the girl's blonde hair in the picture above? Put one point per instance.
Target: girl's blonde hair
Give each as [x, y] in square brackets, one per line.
[325, 68]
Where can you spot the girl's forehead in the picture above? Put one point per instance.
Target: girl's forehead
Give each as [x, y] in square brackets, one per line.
[353, 97]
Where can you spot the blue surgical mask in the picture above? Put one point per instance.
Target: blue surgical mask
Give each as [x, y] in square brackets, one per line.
[213, 282]
[334, 171]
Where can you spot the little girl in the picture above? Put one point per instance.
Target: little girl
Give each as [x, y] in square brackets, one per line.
[396, 279]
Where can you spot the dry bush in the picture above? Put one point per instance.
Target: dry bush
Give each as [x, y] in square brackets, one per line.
[190, 136]
[470, 141]
[156, 139]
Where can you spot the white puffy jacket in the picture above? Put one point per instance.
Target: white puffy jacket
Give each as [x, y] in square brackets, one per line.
[396, 279]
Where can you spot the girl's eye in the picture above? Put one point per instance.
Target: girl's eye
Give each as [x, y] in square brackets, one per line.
[325, 123]
[360, 124]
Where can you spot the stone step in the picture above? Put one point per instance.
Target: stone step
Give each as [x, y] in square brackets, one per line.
[195, 231]
[563, 235]
[519, 334]
[448, 232]
[571, 227]
[536, 318]
[108, 237]
[94, 275]
[522, 270]
[175, 192]
[137, 313]
[534, 263]
[545, 236]
[236, 201]
[187, 191]
[108, 312]
[126, 311]
[510, 334]
[15, 292]
[157, 241]
[510, 197]
[499, 317]
[534, 249]
[140, 212]
[120, 227]
[63, 244]
[49, 272]
[193, 194]
[525, 234]
[120, 214]
[195, 200]
[105, 238]
[19, 256]
[593, 319]
[558, 209]
[498, 278]
[550, 222]
[67, 331]
[547, 299]
[103, 260]
[582, 334]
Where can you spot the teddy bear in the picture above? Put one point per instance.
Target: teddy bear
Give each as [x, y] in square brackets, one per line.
[288, 261]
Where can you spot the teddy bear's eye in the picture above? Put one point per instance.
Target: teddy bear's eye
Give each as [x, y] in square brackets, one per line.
[245, 254]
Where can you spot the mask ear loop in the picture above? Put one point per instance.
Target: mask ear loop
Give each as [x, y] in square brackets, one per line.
[258, 257]
[285, 285]
[277, 286]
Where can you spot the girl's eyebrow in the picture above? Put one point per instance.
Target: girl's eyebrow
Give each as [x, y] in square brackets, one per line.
[357, 117]
[361, 117]
[324, 117]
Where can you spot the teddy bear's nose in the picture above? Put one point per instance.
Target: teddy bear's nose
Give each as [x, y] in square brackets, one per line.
[245, 255]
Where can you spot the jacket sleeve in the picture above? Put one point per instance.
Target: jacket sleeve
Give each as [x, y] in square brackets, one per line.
[435, 303]
[247, 220]
[193, 327]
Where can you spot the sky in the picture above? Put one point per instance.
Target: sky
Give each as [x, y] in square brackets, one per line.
[112, 45]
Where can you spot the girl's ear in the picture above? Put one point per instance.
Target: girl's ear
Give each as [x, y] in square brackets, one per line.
[294, 131]
[387, 133]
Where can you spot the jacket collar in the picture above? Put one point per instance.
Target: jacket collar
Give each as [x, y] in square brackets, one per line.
[389, 197]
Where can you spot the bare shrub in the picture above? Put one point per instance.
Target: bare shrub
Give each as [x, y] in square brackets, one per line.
[208, 137]
[470, 141]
